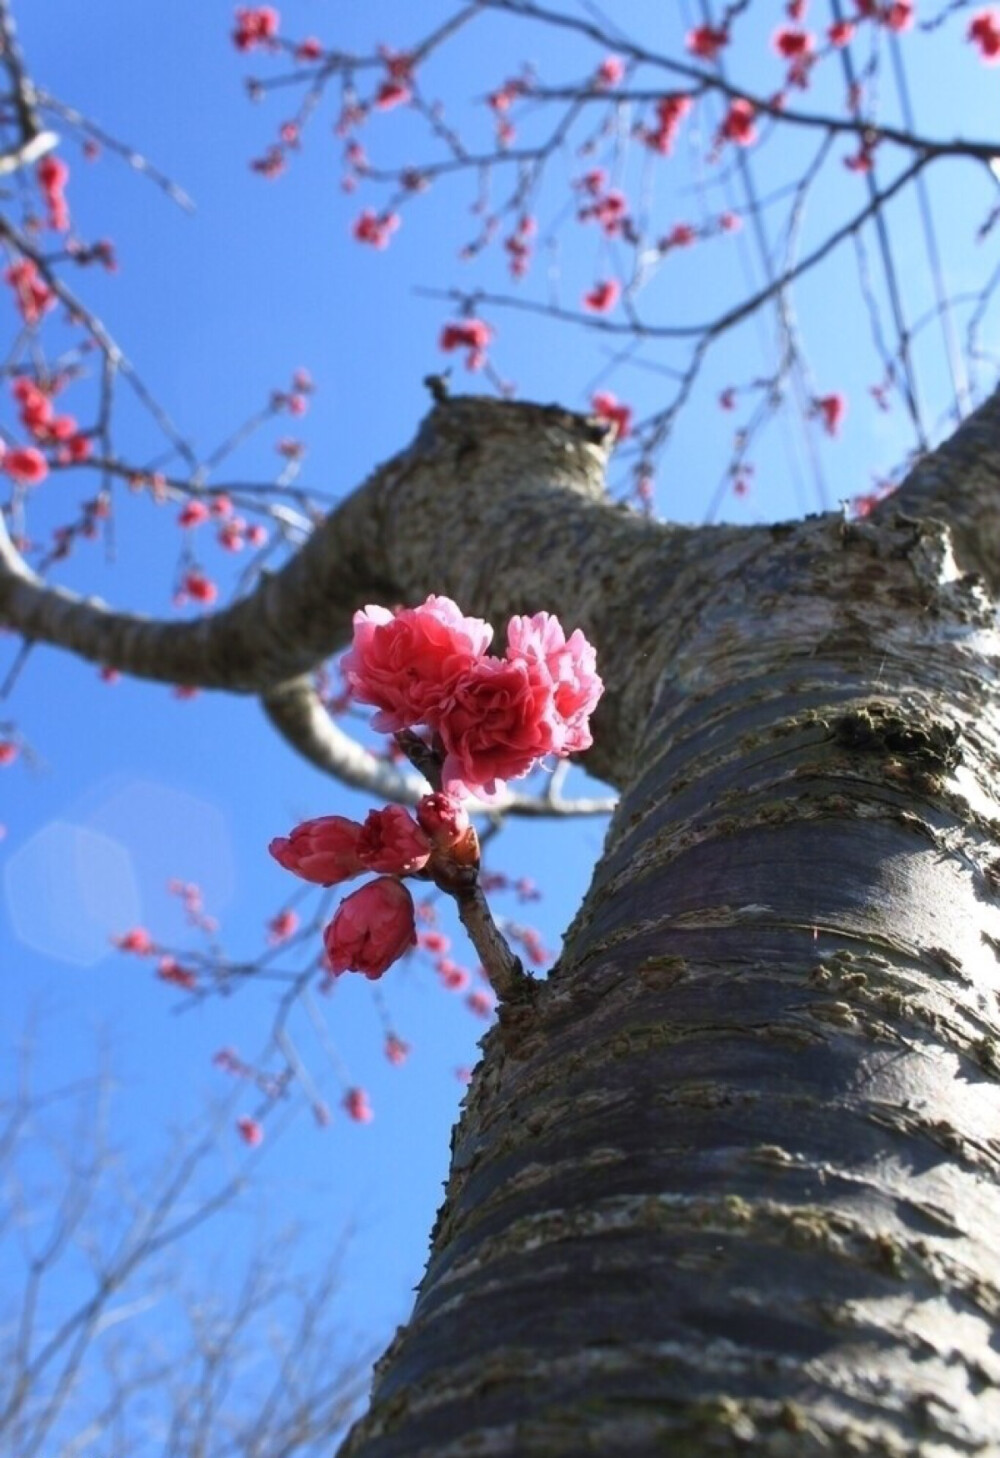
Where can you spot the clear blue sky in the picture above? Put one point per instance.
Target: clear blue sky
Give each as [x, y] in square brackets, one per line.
[129, 787]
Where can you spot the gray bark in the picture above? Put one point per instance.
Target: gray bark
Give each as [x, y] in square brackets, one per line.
[730, 1183]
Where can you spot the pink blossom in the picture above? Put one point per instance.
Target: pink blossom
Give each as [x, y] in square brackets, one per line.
[444, 820]
[407, 663]
[27, 466]
[610, 71]
[392, 93]
[36, 407]
[706, 41]
[500, 721]
[250, 1131]
[199, 587]
[375, 228]
[670, 112]
[53, 174]
[432, 941]
[681, 235]
[34, 297]
[603, 297]
[898, 15]
[792, 44]
[192, 513]
[255, 26]
[324, 851]
[372, 928]
[571, 664]
[396, 1050]
[608, 407]
[984, 32]
[480, 1003]
[170, 970]
[391, 841]
[8, 752]
[841, 33]
[831, 408]
[472, 334]
[738, 124]
[137, 940]
[453, 977]
[357, 1106]
[282, 926]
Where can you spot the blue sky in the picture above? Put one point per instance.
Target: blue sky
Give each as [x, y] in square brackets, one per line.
[127, 787]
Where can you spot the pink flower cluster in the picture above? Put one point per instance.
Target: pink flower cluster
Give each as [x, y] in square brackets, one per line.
[375, 925]
[493, 718]
[53, 174]
[490, 719]
[256, 25]
[471, 334]
[34, 296]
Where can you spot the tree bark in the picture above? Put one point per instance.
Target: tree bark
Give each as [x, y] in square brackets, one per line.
[731, 1184]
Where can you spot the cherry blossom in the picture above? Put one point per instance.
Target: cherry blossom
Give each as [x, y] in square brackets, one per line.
[324, 851]
[453, 977]
[34, 296]
[446, 823]
[610, 71]
[984, 32]
[681, 235]
[375, 228]
[137, 940]
[192, 514]
[255, 26]
[8, 752]
[282, 926]
[199, 587]
[571, 665]
[738, 125]
[670, 112]
[607, 406]
[396, 1051]
[391, 841]
[357, 1106]
[25, 465]
[250, 1131]
[53, 174]
[831, 409]
[170, 970]
[899, 15]
[480, 1003]
[472, 334]
[792, 44]
[706, 41]
[372, 928]
[603, 297]
[408, 662]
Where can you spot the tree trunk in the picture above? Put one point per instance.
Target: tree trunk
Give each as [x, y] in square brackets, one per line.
[733, 1184]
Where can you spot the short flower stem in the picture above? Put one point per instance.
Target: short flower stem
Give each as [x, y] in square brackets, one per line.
[507, 976]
